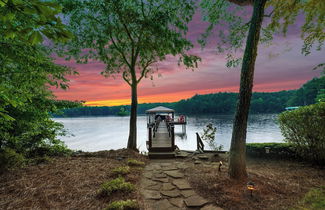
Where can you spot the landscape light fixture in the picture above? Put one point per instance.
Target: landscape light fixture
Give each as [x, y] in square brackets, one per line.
[220, 164]
[251, 187]
[267, 150]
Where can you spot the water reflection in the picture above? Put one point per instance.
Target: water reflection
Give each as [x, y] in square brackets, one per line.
[104, 133]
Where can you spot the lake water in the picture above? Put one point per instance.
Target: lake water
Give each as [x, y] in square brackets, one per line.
[111, 132]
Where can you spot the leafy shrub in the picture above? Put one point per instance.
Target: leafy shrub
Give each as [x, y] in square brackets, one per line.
[116, 185]
[304, 129]
[56, 149]
[276, 150]
[40, 159]
[314, 199]
[122, 170]
[123, 205]
[133, 162]
[208, 135]
[26, 74]
[9, 158]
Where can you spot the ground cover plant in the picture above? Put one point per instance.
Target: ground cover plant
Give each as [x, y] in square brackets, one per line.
[116, 185]
[121, 205]
[133, 162]
[122, 170]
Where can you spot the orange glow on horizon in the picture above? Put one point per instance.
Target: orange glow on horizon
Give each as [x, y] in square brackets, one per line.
[177, 96]
[160, 98]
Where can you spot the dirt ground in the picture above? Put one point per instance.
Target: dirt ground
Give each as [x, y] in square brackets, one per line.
[66, 182]
[74, 182]
[278, 184]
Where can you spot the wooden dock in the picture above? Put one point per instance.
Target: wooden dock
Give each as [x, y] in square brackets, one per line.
[161, 131]
[161, 138]
[161, 142]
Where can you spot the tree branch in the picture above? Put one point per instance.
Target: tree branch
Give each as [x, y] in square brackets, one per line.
[269, 15]
[145, 70]
[242, 2]
[120, 51]
[125, 78]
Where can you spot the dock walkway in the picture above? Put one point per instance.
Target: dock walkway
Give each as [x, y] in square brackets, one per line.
[161, 138]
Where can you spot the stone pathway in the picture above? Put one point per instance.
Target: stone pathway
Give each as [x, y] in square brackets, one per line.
[164, 187]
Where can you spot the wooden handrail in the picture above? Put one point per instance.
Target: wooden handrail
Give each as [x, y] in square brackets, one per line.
[200, 145]
[150, 137]
[172, 130]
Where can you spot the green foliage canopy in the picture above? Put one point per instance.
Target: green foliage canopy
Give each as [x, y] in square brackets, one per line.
[232, 23]
[26, 101]
[30, 20]
[309, 93]
[26, 75]
[129, 36]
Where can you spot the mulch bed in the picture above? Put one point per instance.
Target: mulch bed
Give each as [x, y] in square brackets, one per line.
[279, 184]
[67, 182]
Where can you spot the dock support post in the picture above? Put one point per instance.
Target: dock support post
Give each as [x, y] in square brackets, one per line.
[173, 136]
[150, 138]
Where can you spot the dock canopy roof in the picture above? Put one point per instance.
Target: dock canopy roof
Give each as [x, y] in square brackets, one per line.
[160, 109]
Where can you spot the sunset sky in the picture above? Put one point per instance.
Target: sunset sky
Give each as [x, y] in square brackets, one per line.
[278, 67]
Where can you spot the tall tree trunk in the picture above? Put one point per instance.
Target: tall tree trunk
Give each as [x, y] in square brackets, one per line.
[132, 141]
[237, 158]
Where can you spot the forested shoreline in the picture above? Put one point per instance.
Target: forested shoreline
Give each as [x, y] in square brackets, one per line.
[218, 103]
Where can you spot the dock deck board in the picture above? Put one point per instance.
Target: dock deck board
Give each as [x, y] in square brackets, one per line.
[161, 138]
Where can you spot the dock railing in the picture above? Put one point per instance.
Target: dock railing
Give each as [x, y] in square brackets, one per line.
[199, 142]
[150, 137]
[171, 132]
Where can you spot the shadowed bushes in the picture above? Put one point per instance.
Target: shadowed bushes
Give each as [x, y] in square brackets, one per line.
[271, 150]
[304, 129]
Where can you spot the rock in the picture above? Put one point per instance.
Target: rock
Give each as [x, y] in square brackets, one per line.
[211, 207]
[149, 168]
[151, 194]
[170, 193]
[203, 157]
[182, 184]
[165, 180]
[160, 175]
[197, 162]
[165, 164]
[174, 174]
[154, 187]
[187, 193]
[169, 168]
[182, 154]
[148, 175]
[147, 182]
[195, 201]
[182, 166]
[163, 205]
[179, 202]
[155, 166]
[167, 186]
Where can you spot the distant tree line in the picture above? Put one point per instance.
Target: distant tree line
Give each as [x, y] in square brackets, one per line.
[219, 103]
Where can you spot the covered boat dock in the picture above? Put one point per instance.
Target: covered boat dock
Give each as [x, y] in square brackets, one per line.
[161, 131]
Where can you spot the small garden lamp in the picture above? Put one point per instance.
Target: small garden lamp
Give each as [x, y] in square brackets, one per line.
[267, 150]
[251, 187]
[220, 164]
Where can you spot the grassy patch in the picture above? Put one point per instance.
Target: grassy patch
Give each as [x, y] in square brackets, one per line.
[122, 205]
[116, 185]
[133, 162]
[314, 199]
[122, 170]
[9, 158]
